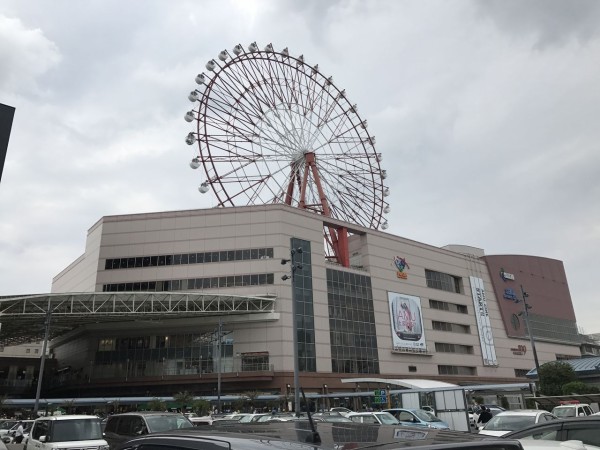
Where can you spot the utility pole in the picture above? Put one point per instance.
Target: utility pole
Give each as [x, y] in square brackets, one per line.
[525, 313]
[219, 339]
[42, 359]
[294, 266]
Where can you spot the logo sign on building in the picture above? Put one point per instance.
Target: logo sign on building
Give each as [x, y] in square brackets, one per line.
[407, 322]
[519, 350]
[401, 265]
[506, 276]
[486, 338]
[510, 294]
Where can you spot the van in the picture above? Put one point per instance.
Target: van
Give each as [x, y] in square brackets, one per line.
[66, 432]
[573, 410]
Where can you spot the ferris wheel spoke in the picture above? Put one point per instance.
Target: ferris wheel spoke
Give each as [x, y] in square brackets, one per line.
[261, 114]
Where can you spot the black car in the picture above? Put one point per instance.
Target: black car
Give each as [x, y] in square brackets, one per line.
[123, 427]
[299, 435]
[585, 429]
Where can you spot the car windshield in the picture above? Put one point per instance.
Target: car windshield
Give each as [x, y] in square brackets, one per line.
[564, 412]
[509, 423]
[387, 419]
[425, 416]
[166, 423]
[76, 430]
[8, 424]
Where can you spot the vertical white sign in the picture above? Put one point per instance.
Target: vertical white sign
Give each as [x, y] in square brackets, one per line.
[486, 338]
[407, 322]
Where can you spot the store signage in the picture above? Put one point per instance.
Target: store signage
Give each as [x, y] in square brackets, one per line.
[486, 338]
[407, 322]
[519, 350]
[401, 265]
[510, 294]
[506, 276]
[380, 396]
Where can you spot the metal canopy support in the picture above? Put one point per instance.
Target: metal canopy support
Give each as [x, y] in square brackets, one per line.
[22, 316]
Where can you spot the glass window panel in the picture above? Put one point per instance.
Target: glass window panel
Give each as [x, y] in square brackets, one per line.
[254, 253]
[162, 260]
[200, 258]
[215, 256]
[154, 261]
[176, 260]
[191, 258]
[245, 254]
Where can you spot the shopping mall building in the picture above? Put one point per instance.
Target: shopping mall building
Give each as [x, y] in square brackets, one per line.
[166, 293]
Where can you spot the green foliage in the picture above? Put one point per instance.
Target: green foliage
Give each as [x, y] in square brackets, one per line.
[553, 375]
[156, 404]
[530, 403]
[183, 399]
[201, 407]
[578, 387]
[478, 400]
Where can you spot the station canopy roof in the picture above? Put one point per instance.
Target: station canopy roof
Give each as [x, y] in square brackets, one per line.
[581, 366]
[23, 317]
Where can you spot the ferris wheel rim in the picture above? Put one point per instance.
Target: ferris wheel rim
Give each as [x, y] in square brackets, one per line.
[363, 149]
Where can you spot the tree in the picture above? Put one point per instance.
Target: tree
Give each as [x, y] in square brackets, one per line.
[201, 407]
[578, 387]
[183, 398]
[553, 375]
[156, 404]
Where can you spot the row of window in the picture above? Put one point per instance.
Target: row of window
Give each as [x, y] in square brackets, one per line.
[444, 347]
[450, 307]
[189, 258]
[443, 281]
[189, 284]
[457, 370]
[451, 327]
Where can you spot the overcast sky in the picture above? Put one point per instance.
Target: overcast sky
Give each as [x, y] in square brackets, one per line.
[487, 114]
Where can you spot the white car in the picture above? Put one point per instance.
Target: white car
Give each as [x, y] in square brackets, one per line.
[67, 432]
[574, 410]
[558, 445]
[341, 410]
[507, 421]
[379, 418]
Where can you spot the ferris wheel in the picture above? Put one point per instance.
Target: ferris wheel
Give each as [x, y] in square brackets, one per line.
[271, 128]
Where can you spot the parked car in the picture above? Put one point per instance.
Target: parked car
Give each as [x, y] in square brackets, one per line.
[6, 425]
[122, 427]
[300, 436]
[330, 416]
[585, 429]
[9, 437]
[340, 409]
[507, 421]
[494, 409]
[378, 418]
[66, 432]
[573, 410]
[417, 418]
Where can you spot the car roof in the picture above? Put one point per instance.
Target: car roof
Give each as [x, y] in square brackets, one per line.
[522, 412]
[556, 423]
[68, 417]
[333, 435]
[147, 413]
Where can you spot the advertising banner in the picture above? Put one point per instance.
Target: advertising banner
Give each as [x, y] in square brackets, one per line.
[407, 322]
[486, 338]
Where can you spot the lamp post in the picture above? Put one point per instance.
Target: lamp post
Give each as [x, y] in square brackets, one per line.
[42, 360]
[525, 314]
[294, 266]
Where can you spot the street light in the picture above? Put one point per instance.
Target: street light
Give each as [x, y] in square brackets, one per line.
[294, 266]
[525, 314]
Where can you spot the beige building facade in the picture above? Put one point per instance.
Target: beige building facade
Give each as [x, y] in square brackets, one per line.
[403, 309]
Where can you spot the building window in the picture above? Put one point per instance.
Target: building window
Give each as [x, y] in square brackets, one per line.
[37, 350]
[305, 317]
[192, 283]
[443, 347]
[457, 370]
[560, 357]
[451, 327]
[412, 368]
[255, 362]
[27, 350]
[443, 281]
[521, 373]
[352, 323]
[188, 258]
[446, 306]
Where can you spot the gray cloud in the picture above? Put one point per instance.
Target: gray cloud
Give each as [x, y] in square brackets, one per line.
[485, 113]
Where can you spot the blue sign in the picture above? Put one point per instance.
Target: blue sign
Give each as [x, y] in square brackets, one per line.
[510, 294]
